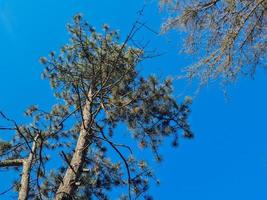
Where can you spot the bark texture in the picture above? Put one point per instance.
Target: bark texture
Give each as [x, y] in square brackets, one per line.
[25, 177]
[74, 170]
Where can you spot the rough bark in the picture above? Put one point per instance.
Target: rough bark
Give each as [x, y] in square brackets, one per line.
[25, 177]
[26, 163]
[74, 170]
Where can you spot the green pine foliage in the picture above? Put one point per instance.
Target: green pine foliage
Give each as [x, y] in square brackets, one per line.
[99, 70]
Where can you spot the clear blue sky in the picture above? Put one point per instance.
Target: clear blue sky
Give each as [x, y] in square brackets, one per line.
[228, 157]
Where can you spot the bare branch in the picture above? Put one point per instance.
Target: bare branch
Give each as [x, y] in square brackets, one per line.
[11, 163]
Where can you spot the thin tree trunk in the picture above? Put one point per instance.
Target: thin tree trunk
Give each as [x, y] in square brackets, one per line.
[25, 177]
[69, 183]
[26, 164]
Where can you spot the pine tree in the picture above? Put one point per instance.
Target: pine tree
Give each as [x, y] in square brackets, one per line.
[99, 90]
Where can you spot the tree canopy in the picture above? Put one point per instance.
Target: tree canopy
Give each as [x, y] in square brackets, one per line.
[229, 36]
[98, 89]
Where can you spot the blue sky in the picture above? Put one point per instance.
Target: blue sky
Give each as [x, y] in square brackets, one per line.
[228, 157]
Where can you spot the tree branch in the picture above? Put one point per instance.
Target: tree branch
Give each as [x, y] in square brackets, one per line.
[11, 163]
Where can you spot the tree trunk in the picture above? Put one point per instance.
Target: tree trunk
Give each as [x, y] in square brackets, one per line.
[74, 170]
[25, 177]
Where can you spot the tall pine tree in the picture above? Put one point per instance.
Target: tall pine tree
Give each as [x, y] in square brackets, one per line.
[99, 90]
